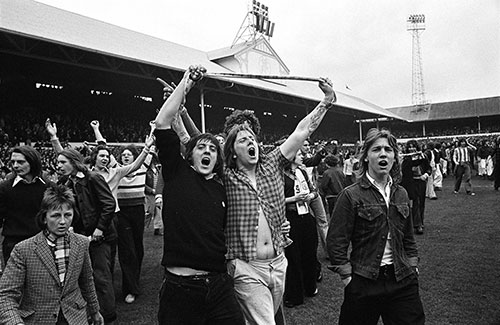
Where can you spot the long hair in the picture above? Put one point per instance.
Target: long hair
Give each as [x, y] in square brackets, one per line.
[75, 158]
[54, 197]
[372, 136]
[33, 158]
[229, 153]
[414, 143]
[219, 163]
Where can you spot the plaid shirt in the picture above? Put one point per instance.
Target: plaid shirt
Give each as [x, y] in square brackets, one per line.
[244, 203]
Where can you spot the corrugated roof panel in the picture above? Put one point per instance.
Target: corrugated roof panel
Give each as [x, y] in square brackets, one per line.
[41, 21]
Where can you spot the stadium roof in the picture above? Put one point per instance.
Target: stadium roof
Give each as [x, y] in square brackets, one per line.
[449, 110]
[22, 21]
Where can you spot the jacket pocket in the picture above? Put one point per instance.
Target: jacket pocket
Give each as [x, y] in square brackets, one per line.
[370, 213]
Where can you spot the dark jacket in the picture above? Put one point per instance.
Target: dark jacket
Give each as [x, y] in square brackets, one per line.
[362, 218]
[409, 174]
[96, 205]
[332, 182]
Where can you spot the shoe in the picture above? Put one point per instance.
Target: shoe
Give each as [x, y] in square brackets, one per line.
[471, 193]
[434, 198]
[130, 298]
[314, 294]
[455, 192]
[437, 189]
[419, 230]
[157, 232]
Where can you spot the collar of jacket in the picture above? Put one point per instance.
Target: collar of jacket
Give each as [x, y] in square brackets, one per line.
[365, 182]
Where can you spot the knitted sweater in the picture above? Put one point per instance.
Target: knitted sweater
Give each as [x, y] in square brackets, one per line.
[19, 206]
[131, 188]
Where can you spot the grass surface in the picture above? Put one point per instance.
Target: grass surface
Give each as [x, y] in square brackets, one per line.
[459, 268]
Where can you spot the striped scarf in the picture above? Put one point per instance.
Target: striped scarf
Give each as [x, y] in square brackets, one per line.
[60, 249]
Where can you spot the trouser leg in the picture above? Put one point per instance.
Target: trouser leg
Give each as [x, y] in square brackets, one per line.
[130, 247]
[458, 177]
[259, 287]
[100, 255]
[205, 300]
[308, 258]
[467, 178]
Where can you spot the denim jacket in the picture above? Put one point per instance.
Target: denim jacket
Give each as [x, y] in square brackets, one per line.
[361, 217]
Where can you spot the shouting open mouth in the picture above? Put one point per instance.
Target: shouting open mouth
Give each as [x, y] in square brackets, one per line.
[205, 161]
[252, 152]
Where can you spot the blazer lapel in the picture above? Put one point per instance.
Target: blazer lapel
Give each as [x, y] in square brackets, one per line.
[43, 251]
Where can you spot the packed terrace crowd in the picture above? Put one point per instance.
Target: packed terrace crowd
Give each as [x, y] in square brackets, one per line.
[27, 126]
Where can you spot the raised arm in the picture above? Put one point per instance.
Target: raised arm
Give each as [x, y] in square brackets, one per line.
[97, 132]
[470, 145]
[170, 108]
[137, 163]
[179, 128]
[52, 131]
[187, 123]
[99, 139]
[177, 123]
[191, 128]
[311, 122]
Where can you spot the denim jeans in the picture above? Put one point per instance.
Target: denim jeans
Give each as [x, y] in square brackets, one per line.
[205, 299]
[259, 286]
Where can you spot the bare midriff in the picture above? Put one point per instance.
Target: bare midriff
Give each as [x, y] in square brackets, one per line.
[185, 271]
[265, 248]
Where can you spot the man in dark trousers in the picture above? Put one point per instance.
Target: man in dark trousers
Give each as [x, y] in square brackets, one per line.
[196, 288]
[463, 159]
[373, 217]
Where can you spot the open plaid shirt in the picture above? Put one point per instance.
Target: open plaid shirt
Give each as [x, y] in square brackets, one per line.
[244, 203]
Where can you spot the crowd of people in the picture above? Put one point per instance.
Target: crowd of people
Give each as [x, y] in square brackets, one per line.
[241, 225]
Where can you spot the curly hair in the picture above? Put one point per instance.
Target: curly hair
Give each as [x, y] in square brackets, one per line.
[241, 117]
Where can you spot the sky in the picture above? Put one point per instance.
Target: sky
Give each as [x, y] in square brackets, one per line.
[363, 44]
